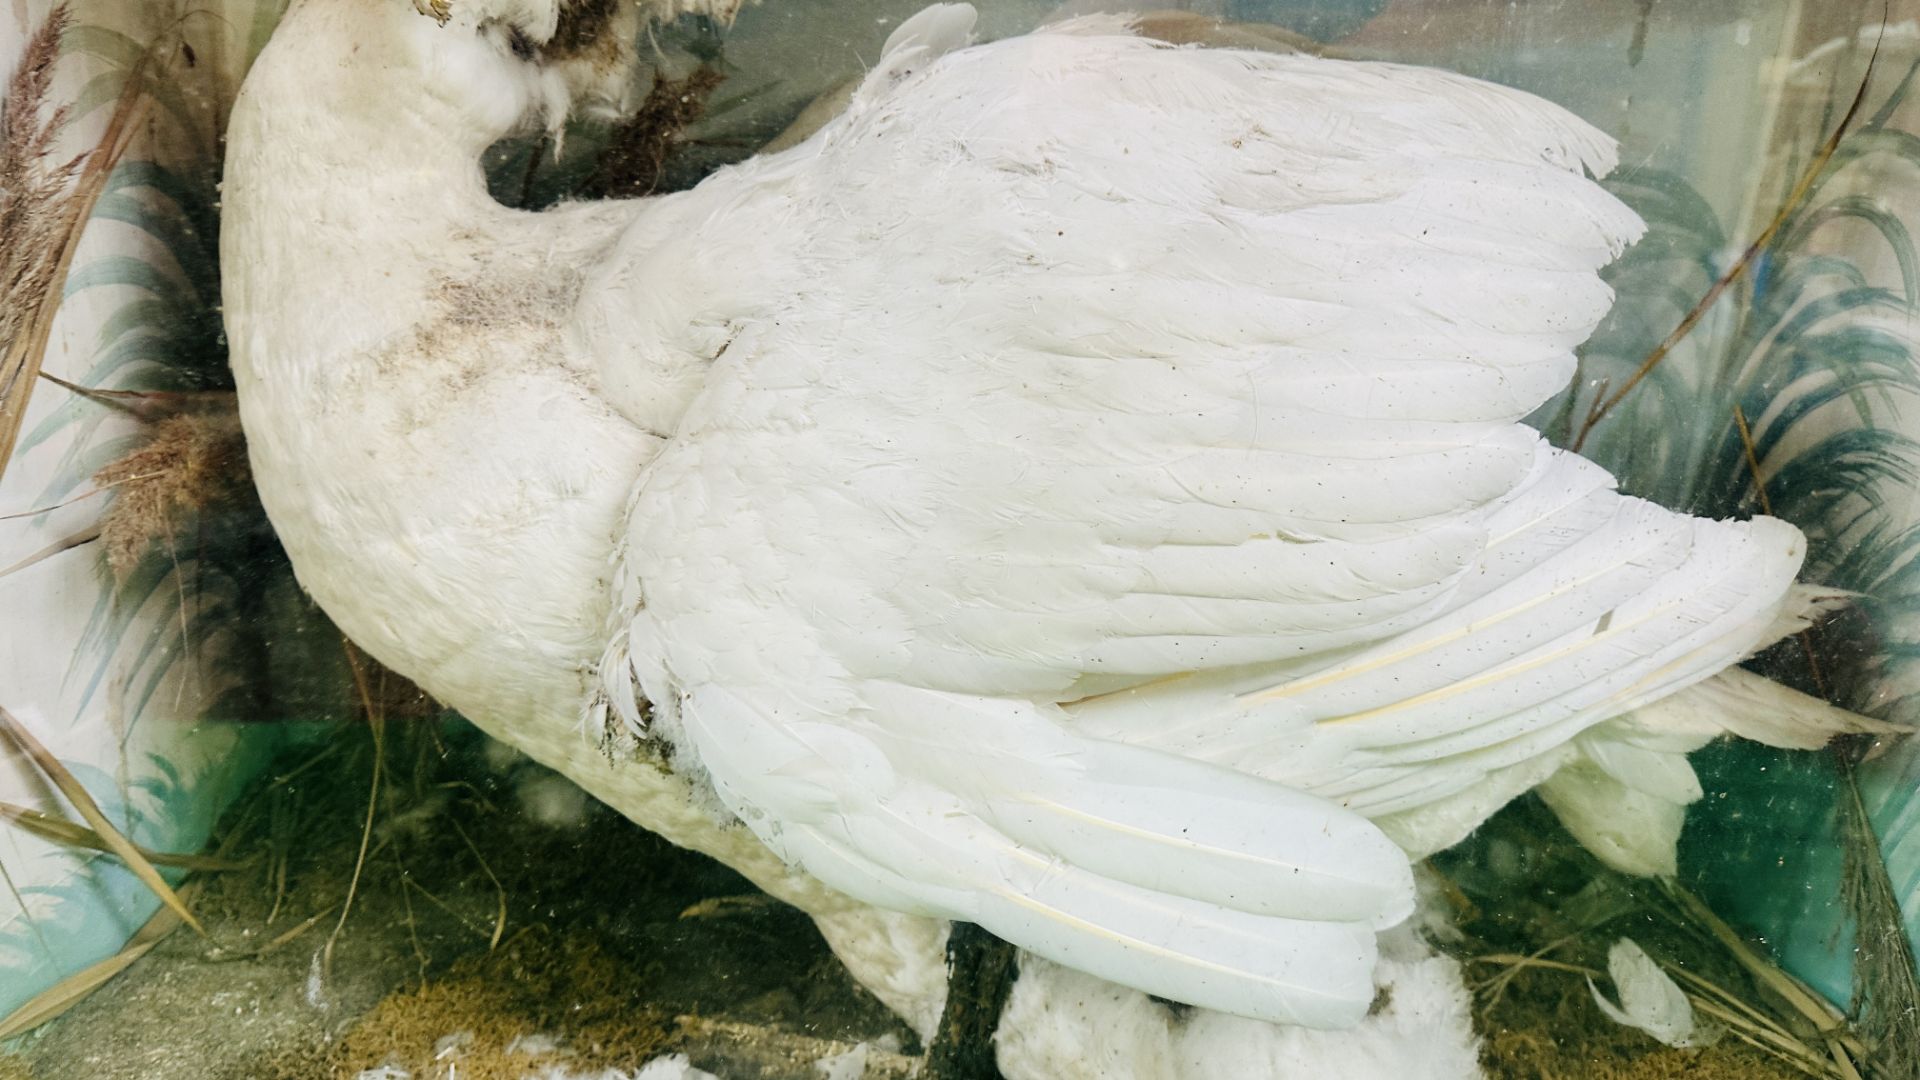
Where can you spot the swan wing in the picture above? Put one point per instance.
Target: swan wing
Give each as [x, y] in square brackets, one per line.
[1074, 368]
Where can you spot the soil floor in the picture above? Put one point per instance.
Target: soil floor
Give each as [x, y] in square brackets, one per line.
[492, 934]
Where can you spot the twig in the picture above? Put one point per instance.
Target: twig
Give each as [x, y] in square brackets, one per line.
[66, 543]
[1734, 273]
[64, 503]
[73, 989]
[144, 404]
[1843, 1066]
[288, 777]
[279, 941]
[1766, 507]
[376, 722]
[1534, 961]
[278, 854]
[1814, 1008]
[500, 891]
[1754, 1029]
[1753, 459]
[59, 831]
[413, 924]
[305, 925]
[1768, 1040]
[20, 901]
[1497, 986]
[446, 907]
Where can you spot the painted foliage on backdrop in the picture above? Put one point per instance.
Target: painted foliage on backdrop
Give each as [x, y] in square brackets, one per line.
[138, 586]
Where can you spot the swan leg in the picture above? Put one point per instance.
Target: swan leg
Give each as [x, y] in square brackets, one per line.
[981, 970]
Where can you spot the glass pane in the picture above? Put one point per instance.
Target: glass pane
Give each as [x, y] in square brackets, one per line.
[627, 609]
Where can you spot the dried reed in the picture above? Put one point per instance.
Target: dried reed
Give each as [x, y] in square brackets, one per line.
[77, 794]
[44, 207]
[33, 196]
[1886, 989]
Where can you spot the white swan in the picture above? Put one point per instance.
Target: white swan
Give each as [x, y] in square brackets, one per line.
[1079, 490]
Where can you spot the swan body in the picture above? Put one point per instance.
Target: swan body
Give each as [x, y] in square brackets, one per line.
[1080, 490]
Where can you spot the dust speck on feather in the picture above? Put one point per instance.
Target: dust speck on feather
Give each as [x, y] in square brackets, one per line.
[494, 321]
[506, 300]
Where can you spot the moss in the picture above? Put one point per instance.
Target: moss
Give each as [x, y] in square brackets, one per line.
[1522, 887]
[612, 935]
[565, 992]
[597, 956]
[1546, 1027]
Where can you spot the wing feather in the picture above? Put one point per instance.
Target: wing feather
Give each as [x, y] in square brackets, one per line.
[1114, 481]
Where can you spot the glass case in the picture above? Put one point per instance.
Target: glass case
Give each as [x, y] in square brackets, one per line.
[233, 843]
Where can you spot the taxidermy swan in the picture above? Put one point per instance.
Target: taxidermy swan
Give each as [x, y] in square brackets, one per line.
[1079, 491]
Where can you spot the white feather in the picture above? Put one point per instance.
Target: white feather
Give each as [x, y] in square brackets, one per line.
[1074, 491]
[1649, 999]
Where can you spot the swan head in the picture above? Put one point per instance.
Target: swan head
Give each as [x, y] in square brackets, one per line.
[501, 66]
[480, 70]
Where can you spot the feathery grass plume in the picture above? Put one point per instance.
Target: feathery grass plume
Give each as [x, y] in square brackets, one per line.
[187, 463]
[44, 207]
[33, 191]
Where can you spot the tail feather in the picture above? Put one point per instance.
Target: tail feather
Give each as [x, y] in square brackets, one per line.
[1624, 796]
[1177, 877]
[1633, 831]
[1804, 606]
[1738, 702]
